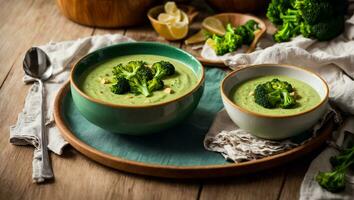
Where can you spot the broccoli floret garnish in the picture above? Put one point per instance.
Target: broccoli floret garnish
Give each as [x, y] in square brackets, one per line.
[273, 94]
[334, 181]
[261, 97]
[320, 19]
[287, 101]
[155, 84]
[138, 78]
[129, 69]
[162, 69]
[121, 86]
[139, 82]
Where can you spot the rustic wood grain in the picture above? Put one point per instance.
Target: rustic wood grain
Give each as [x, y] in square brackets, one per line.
[263, 185]
[24, 23]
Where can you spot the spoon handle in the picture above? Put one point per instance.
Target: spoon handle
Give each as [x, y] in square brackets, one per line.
[46, 167]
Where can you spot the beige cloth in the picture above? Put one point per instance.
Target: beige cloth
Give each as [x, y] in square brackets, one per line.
[61, 55]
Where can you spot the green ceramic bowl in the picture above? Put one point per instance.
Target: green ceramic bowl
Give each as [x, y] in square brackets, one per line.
[136, 120]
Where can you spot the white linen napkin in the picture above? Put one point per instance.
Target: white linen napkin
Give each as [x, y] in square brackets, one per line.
[61, 55]
[333, 60]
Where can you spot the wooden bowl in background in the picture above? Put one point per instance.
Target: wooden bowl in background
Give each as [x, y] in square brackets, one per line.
[106, 13]
[243, 6]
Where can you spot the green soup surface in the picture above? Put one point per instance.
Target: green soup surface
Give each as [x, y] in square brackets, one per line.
[182, 82]
[307, 97]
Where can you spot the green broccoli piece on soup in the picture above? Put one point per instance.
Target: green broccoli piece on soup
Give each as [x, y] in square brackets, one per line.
[139, 82]
[121, 86]
[273, 94]
[162, 69]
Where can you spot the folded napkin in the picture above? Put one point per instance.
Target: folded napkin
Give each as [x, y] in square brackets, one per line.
[61, 55]
[333, 60]
[239, 145]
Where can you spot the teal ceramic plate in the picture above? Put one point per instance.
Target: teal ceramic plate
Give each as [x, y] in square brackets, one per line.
[175, 153]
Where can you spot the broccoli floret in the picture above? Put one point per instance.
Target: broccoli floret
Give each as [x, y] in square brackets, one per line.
[334, 181]
[274, 93]
[129, 69]
[162, 69]
[287, 101]
[251, 25]
[155, 84]
[261, 97]
[331, 181]
[227, 43]
[139, 82]
[242, 31]
[314, 11]
[246, 31]
[324, 31]
[281, 85]
[320, 19]
[284, 34]
[305, 29]
[274, 97]
[276, 8]
[121, 86]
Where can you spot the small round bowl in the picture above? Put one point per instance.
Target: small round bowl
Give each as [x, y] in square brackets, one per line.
[162, 28]
[270, 126]
[137, 119]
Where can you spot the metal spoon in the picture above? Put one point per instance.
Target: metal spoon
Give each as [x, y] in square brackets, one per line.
[37, 65]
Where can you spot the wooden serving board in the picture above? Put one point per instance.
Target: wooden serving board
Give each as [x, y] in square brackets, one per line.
[174, 154]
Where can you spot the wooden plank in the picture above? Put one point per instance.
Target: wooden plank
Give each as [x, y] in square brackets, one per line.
[27, 23]
[295, 173]
[262, 185]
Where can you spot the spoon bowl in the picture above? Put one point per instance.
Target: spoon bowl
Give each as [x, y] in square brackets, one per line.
[37, 64]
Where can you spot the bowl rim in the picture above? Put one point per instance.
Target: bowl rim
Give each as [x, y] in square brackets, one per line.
[101, 102]
[244, 110]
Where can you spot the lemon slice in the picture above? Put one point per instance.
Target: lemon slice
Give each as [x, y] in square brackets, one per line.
[214, 25]
[184, 17]
[196, 38]
[177, 15]
[170, 7]
[167, 18]
[211, 43]
[178, 30]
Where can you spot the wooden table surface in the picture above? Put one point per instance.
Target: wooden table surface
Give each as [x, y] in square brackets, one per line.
[24, 23]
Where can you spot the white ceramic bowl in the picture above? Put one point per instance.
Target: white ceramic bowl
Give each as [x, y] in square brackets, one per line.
[270, 126]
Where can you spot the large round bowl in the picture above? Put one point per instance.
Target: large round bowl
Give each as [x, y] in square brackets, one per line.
[270, 126]
[243, 6]
[137, 119]
[106, 13]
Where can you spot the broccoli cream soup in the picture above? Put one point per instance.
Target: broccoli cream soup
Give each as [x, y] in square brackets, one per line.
[97, 81]
[306, 97]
